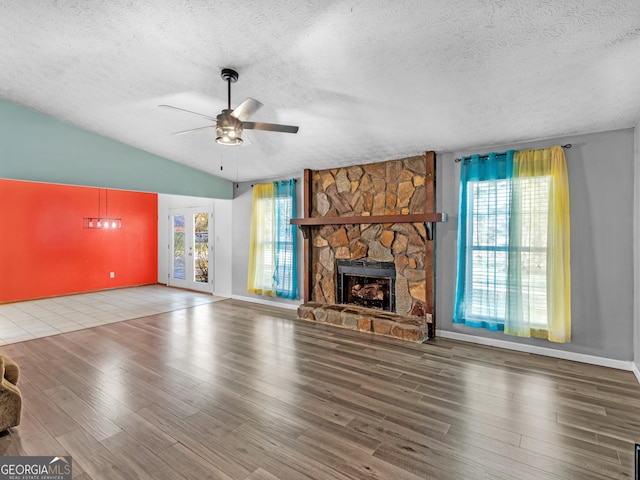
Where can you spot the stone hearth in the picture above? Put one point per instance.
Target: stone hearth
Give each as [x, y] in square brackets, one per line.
[365, 320]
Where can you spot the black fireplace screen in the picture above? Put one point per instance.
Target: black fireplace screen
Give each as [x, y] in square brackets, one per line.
[367, 284]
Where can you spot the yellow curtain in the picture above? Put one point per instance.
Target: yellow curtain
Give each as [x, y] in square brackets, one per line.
[262, 249]
[550, 162]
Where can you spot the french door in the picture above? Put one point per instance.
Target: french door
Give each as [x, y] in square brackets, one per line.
[190, 251]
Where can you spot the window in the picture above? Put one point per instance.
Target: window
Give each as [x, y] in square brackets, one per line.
[513, 244]
[272, 257]
[488, 231]
[489, 250]
[285, 245]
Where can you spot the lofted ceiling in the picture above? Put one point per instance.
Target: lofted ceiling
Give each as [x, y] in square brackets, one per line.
[365, 80]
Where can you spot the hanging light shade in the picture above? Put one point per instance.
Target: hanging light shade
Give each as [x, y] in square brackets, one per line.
[228, 129]
[100, 222]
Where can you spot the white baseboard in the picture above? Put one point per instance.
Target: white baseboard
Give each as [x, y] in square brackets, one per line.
[636, 370]
[271, 303]
[223, 295]
[549, 352]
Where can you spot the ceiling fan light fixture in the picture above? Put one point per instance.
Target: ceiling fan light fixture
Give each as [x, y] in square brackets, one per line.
[229, 136]
[228, 129]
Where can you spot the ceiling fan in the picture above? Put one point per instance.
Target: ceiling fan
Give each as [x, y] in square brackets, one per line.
[230, 123]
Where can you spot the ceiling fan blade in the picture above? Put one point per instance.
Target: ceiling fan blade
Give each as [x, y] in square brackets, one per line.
[193, 130]
[189, 111]
[246, 109]
[271, 127]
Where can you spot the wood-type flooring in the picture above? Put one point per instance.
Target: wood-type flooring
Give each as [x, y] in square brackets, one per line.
[234, 390]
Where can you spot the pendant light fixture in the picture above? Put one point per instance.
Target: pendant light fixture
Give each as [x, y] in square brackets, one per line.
[100, 222]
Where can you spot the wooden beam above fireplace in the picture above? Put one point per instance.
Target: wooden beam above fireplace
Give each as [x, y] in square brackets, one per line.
[304, 224]
[360, 219]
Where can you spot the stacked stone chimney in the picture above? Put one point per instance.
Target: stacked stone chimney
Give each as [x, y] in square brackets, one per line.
[395, 187]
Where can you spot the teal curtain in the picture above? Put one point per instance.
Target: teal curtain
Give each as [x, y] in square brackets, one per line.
[285, 275]
[483, 236]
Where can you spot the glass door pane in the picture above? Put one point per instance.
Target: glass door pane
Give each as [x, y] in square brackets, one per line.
[190, 257]
[178, 251]
[201, 247]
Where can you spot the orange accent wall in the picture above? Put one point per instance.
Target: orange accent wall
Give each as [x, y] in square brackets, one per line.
[45, 251]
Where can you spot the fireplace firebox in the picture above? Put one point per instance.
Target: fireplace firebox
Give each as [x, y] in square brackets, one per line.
[366, 284]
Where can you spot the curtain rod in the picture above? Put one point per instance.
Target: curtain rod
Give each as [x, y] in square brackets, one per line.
[568, 145]
[295, 180]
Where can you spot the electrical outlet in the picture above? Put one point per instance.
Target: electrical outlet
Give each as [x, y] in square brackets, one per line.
[112, 275]
[429, 318]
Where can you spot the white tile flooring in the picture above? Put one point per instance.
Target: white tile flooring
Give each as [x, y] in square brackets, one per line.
[22, 321]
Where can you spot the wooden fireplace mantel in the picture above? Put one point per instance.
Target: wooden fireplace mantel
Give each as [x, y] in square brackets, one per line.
[304, 224]
[356, 220]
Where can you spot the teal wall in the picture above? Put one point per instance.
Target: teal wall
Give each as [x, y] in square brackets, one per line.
[39, 148]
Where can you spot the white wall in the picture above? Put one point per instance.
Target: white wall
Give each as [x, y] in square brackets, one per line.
[223, 247]
[222, 264]
[636, 250]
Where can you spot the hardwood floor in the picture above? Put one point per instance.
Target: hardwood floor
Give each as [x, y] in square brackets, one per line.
[234, 390]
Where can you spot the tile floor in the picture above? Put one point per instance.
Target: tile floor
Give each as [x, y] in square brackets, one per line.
[41, 318]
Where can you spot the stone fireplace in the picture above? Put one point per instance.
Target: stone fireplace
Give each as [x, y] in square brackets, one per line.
[368, 246]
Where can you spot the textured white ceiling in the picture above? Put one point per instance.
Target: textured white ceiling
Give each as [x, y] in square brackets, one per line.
[364, 80]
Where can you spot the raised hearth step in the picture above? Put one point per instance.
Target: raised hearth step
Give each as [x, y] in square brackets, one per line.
[414, 329]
